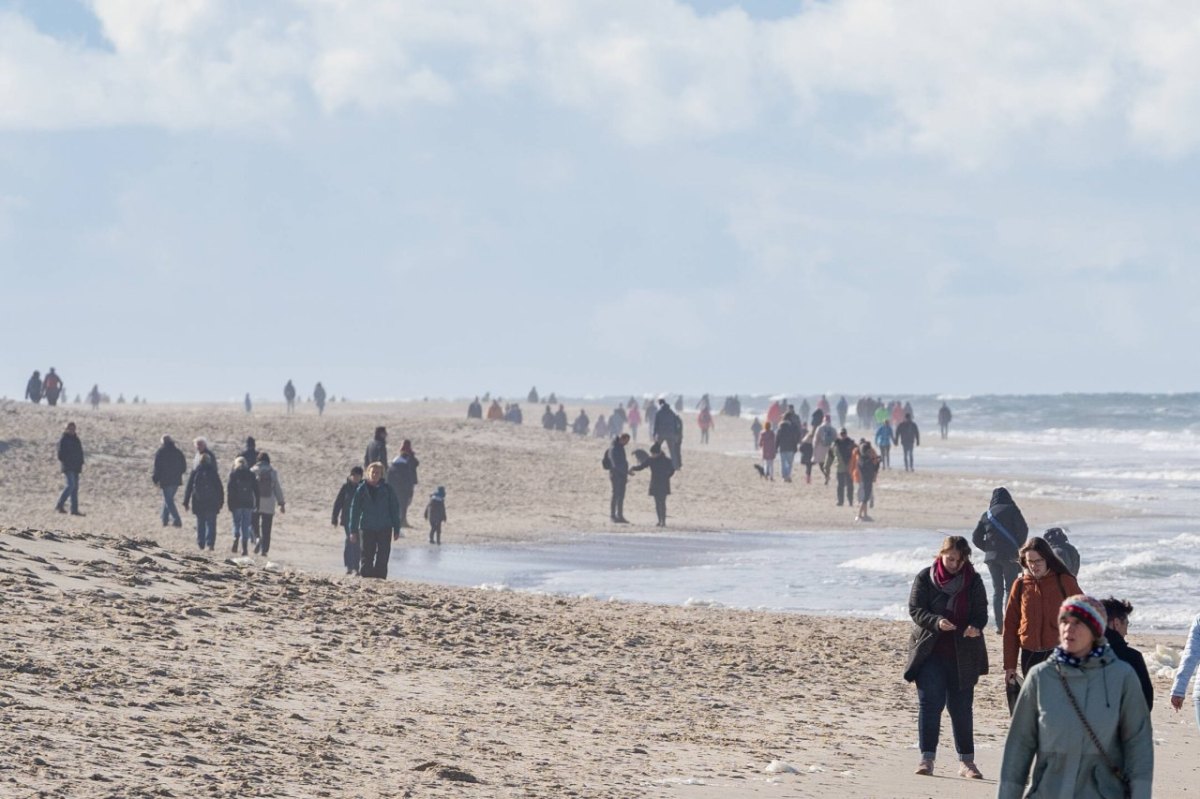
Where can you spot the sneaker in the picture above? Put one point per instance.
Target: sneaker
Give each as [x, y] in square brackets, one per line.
[177, 524]
[234, 549]
[78, 513]
[925, 768]
[60, 509]
[969, 770]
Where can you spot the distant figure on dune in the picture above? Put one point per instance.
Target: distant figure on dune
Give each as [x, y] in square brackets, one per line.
[513, 414]
[402, 477]
[755, 431]
[668, 429]
[582, 424]
[548, 418]
[206, 496]
[600, 429]
[944, 416]
[705, 420]
[52, 387]
[250, 453]
[946, 652]
[616, 421]
[533, 396]
[270, 493]
[376, 448]
[241, 492]
[33, 389]
[661, 470]
[766, 443]
[70, 458]
[247, 404]
[560, 419]
[374, 514]
[649, 413]
[170, 466]
[909, 436]
[679, 404]
[319, 398]
[435, 513]
[552, 399]
[843, 408]
[495, 412]
[351, 550]
[289, 394]
[475, 409]
[616, 463]
[1000, 534]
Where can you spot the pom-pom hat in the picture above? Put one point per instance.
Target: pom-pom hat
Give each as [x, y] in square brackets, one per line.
[1088, 610]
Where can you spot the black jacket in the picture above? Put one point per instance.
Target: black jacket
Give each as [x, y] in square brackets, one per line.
[242, 490]
[402, 475]
[435, 511]
[994, 543]
[70, 453]
[787, 438]
[619, 469]
[376, 453]
[170, 466]
[667, 423]
[661, 469]
[907, 433]
[341, 505]
[204, 491]
[927, 606]
[1133, 657]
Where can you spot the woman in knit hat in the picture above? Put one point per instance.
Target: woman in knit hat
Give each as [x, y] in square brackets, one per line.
[1081, 722]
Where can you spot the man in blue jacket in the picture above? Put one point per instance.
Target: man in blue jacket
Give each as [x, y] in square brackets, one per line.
[374, 513]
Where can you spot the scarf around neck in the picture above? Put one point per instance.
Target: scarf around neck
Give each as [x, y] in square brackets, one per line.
[1066, 658]
[953, 586]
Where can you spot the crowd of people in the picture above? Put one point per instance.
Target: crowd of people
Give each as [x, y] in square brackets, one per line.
[1080, 707]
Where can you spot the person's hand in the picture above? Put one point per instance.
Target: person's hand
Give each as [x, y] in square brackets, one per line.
[1010, 675]
[1176, 702]
[971, 632]
[353, 538]
[945, 625]
[185, 506]
[396, 536]
[282, 508]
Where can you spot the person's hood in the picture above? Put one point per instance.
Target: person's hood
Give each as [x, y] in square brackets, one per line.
[250, 442]
[1000, 496]
[399, 460]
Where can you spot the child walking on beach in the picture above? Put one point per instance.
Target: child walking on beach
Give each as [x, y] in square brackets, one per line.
[435, 512]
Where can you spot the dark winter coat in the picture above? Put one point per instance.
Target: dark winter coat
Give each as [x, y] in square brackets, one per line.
[787, 437]
[341, 505]
[661, 469]
[619, 462]
[376, 453]
[435, 511]
[170, 466]
[70, 453]
[843, 453]
[995, 544]
[1133, 657]
[242, 489]
[927, 606]
[33, 389]
[250, 453]
[374, 508]
[204, 491]
[667, 423]
[908, 434]
[402, 475]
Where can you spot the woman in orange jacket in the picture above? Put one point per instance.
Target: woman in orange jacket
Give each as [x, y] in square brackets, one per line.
[1031, 616]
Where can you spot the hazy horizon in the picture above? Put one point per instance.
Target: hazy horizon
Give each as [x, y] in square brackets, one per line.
[398, 199]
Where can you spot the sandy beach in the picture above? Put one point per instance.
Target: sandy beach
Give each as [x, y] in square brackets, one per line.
[136, 666]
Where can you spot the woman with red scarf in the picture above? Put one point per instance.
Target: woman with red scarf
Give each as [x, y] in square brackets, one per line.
[946, 653]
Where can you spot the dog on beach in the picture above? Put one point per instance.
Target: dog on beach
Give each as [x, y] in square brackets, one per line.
[761, 471]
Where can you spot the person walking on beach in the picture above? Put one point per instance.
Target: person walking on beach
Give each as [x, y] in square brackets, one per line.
[787, 440]
[806, 452]
[241, 494]
[1188, 661]
[705, 419]
[868, 469]
[668, 428]
[1080, 727]
[756, 429]
[205, 496]
[1056, 537]
[249, 406]
[944, 420]
[402, 477]
[946, 653]
[560, 419]
[376, 448]
[909, 436]
[661, 469]
[270, 493]
[170, 466]
[885, 437]
[766, 443]
[52, 387]
[842, 455]
[351, 550]
[495, 413]
[843, 408]
[475, 409]
[617, 464]
[289, 394]
[823, 440]
[33, 389]
[374, 513]
[1117, 611]
[633, 417]
[201, 445]
[582, 423]
[319, 398]
[94, 396]
[1000, 533]
[435, 513]
[70, 459]
[1030, 617]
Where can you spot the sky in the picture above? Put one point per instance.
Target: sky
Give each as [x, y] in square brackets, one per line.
[202, 198]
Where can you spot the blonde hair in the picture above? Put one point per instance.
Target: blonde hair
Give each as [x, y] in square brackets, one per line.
[239, 462]
[376, 465]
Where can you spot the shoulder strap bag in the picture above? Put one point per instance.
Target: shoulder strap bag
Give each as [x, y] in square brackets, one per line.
[1120, 775]
[1003, 530]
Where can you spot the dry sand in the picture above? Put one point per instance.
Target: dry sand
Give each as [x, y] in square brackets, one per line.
[133, 666]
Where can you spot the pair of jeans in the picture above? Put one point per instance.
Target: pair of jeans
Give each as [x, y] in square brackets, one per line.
[243, 525]
[435, 533]
[768, 465]
[376, 550]
[867, 492]
[938, 690]
[616, 505]
[845, 486]
[908, 459]
[169, 511]
[786, 460]
[206, 530]
[352, 554]
[885, 457]
[1004, 574]
[70, 491]
[1029, 658]
[405, 496]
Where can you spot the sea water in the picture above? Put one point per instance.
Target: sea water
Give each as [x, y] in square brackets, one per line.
[1138, 452]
